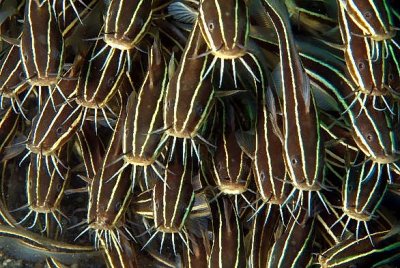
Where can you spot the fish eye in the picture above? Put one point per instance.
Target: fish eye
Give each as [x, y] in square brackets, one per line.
[211, 26]
[118, 206]
[110, 82]
[390, 77]
[25, 57]
[361, 65]
[262, 176]
[169, 105]
[350, 188]
[199, 109]
[370, 137]
[59, 131]
[220, 166]
[367, 14]
[140, 22]
[294, 161]
[21, 75]
[59, 187]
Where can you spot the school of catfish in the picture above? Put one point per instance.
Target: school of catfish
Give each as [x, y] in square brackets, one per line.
[200, 133]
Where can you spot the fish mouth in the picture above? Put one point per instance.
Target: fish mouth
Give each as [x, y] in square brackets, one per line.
[121, 43]
[386, 158]
[304, 186]
[168, 229]
[44, 81]
[139, 161]
[384, 35]
[43, 208]
[38, 149]
[357, 215]
[228, 53]
[232, 188]
[101, 224]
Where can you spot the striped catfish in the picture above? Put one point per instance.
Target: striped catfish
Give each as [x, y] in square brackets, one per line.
[231, 166]
[363, 190]
[38, 246]
[371, 129]
[141, 144]
[302, 142]
[12, 83]
[126, 23]
[366, 63]
[197, 252]
[314, 17]
[263, 228]
[45, 187]
[228, 240]
[384, 250]
[372, 17]
[110, 195]
[173, 198]
[92, 150]
[225, 26]
[375, 21]
[124, 256]
[293, 247]
[189, 96]
[42, 44]
[270, 173]
[100, 79]
[56, 123]
[58, 120]
[72, 13]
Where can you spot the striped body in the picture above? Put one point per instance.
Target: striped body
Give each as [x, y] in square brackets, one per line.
[189, 97]
[363, 190]
[198, 255]
[173, 199]
[11, 74]
[100, 77]
[264, 227]
[126, 22]
[125, 256]
[370, 129]
[361, 253]
[45, 190]
[42, 44]
[228, 242]
[145, 114]
[225, 27]
[369, 74]
[91, 149]
[9, 122]
[231, 166]
[371, 16]
[109, 197]
[302, 142]
[269, 166]
[293, 247]
[52, 128]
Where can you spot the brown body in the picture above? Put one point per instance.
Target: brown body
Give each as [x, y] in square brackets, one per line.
[189, 95]
[126, 22]
[42, 44]
[145, 114]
